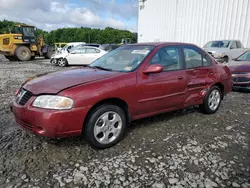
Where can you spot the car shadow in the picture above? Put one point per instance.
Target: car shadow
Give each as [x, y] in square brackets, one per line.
[137, 124]
[161, 117]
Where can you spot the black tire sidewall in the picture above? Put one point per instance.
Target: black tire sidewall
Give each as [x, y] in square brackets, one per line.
[90, 123]
[18, 53]
[205, 106]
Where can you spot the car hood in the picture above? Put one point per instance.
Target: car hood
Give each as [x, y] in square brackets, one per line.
[216, 50]
[239, 66]
[53, 83]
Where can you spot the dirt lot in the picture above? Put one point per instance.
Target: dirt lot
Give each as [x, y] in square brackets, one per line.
[179, 149]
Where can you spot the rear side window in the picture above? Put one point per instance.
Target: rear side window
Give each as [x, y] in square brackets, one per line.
[207, 60]
[193, 57]
[90, 50]
[238, 44]
[233, 45]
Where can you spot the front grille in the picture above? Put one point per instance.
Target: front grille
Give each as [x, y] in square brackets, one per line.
[239, 73]
[24, 125]
[23, 96]
[241, 79]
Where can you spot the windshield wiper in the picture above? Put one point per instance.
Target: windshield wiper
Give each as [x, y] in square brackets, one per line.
[101, 68]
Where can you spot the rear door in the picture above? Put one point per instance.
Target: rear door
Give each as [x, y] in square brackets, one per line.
[92, 54]
[77, 57]
[200, 72]
[166, 90]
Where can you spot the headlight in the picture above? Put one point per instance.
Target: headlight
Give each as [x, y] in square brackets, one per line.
[53, 102]
[218, 55]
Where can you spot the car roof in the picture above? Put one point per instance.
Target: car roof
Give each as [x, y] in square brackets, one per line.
[159, 44]
[76, 43]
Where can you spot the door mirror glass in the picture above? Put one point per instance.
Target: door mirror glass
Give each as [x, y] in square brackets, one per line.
[155, 68]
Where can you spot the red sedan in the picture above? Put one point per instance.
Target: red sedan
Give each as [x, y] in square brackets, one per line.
[129, 83]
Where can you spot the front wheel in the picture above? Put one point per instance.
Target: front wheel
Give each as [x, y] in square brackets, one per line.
[212, 100]
[105, 126]
[62, 62]
[23, 53]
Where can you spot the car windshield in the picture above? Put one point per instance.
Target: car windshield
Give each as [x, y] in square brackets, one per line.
[123, 59]
[244, 57]
[217, 44]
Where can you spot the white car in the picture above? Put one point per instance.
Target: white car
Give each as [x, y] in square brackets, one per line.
[79, 56]
[64, 51]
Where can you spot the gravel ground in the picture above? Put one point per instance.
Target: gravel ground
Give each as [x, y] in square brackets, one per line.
[179, 149]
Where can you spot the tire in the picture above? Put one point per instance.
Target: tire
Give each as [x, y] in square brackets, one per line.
[110, 133]
[23, 53]
[53, 61]
[211, 101]
[62, 62]
[225, 59]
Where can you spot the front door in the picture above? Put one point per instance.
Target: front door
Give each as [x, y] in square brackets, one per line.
[163, 91]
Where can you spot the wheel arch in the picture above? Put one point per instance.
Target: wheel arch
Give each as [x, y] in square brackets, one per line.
[109, 101]
[221, 86]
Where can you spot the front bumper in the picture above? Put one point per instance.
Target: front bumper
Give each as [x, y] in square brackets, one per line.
[241, 82]
[49, 123]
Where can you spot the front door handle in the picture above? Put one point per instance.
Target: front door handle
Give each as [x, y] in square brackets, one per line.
[211, 72]
[180, 77]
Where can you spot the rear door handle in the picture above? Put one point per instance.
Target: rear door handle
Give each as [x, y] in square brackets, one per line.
[180, 77]
[211, 72]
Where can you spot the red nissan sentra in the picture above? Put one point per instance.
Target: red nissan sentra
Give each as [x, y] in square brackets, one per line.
[129, 83]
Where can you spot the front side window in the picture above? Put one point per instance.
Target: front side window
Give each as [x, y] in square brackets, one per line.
[168, 57]
[28, 32]
[193, 57]
[244, 57]
[123, 59]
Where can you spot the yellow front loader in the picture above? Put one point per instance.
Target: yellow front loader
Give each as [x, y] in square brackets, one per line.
[21, 44]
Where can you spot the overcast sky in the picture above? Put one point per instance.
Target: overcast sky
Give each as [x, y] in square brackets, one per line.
[53, 14]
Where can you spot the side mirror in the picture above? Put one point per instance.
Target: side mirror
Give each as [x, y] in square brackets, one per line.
[156, 68]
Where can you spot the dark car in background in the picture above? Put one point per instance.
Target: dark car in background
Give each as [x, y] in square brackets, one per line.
[240, 68]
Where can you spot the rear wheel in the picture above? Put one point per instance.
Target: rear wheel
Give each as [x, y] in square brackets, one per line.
[105, 126]
[62, 62]
[23, 53]
[212, 100]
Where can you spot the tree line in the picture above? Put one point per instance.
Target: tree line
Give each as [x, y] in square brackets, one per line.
[83, 34]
